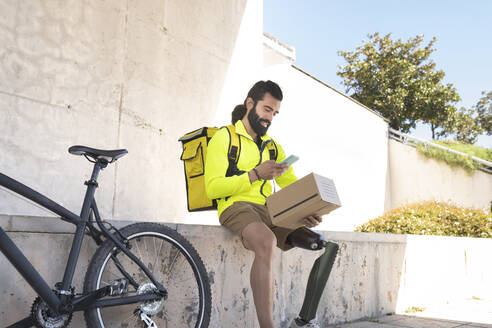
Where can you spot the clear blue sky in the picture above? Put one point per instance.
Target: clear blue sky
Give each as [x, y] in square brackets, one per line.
[317, 29]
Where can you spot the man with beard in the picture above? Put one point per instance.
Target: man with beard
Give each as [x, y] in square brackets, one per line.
[241, 194]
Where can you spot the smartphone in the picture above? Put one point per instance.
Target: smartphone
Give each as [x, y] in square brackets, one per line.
[290, 160]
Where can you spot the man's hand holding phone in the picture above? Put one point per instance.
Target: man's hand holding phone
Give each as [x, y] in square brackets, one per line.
[290, 160]
[269, 170]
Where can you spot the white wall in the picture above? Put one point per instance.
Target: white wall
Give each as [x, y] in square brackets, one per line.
[243, 71]
[111, 74]
[245, 65]
[335, 137]
[416, 178]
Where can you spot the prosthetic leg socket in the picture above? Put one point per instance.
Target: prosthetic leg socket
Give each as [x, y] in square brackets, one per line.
[306, 238]
[317, 281]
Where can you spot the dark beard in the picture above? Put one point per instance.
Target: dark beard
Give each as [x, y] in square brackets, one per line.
[255, 120]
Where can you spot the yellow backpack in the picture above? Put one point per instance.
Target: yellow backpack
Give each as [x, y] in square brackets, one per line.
[194, 156]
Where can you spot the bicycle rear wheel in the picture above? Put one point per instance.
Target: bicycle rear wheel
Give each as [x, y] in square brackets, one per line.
[174, 263]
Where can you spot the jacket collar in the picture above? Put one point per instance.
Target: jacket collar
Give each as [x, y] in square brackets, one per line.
[240, 129]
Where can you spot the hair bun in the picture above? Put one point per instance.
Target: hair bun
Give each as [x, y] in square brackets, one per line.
[238, 113]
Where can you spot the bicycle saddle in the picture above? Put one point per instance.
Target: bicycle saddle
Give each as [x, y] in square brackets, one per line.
[96, 154]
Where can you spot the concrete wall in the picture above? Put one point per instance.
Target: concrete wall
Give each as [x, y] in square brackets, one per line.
[416, 178]
[127, 74]
[374, 274]
[111, 74]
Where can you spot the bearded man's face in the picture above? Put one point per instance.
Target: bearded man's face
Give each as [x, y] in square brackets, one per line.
[258, 124]
[260, 117]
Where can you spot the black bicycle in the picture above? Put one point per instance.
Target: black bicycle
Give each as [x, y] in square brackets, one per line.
[143, 275]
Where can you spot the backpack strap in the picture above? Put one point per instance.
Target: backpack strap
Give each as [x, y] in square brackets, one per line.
[272, 150]
[234, 144]
[233, 152]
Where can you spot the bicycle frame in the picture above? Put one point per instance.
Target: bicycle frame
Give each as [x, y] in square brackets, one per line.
[60, 301]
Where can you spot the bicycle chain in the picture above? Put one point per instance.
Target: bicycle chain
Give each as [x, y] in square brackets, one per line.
[43, 319]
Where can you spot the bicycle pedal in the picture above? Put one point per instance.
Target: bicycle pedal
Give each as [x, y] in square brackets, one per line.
[118, 287]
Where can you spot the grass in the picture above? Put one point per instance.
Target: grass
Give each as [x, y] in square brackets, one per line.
[472, 150]
[455, 160]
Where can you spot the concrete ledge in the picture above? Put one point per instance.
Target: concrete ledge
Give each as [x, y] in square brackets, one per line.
[374, 274]
[16, 223]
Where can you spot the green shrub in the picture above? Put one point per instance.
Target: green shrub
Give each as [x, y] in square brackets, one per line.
[432, 218]
[453, 159]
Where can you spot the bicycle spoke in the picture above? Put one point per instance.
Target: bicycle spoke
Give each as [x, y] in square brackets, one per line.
[170, 267]
[146, 251]
[138, 249]
[149, 254]
[155, 257]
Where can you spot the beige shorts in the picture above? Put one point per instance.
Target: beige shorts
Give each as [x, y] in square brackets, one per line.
[237, 216]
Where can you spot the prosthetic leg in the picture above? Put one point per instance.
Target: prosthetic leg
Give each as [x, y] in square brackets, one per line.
[308, 239]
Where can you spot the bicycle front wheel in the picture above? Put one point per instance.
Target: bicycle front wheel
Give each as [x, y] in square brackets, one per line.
[173, 262]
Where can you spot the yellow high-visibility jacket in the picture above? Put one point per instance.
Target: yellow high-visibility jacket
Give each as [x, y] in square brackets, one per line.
[228, 190]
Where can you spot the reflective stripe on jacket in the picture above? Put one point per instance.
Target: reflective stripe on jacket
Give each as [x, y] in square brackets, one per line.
[228, 190]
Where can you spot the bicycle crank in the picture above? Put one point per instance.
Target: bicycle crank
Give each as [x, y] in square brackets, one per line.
[43, 318]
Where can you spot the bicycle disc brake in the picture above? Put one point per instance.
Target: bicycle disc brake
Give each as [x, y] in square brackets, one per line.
[43, 318]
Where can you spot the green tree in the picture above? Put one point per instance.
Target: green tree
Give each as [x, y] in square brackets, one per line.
[468, 124]
[465, 125]
[398, 80]
[484, 112]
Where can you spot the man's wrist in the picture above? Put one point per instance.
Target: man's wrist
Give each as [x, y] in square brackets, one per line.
[257, 174]
[253, 175]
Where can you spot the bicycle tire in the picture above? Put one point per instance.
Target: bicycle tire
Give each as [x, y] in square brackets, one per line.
[186, 260]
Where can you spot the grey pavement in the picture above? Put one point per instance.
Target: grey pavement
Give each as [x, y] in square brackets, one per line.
[408, 321]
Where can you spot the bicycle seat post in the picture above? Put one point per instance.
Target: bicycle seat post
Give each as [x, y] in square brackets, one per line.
[91, 188]
[84, 216]
[98, 166]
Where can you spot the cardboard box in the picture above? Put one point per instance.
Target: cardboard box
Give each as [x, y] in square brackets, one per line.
[313, 194]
